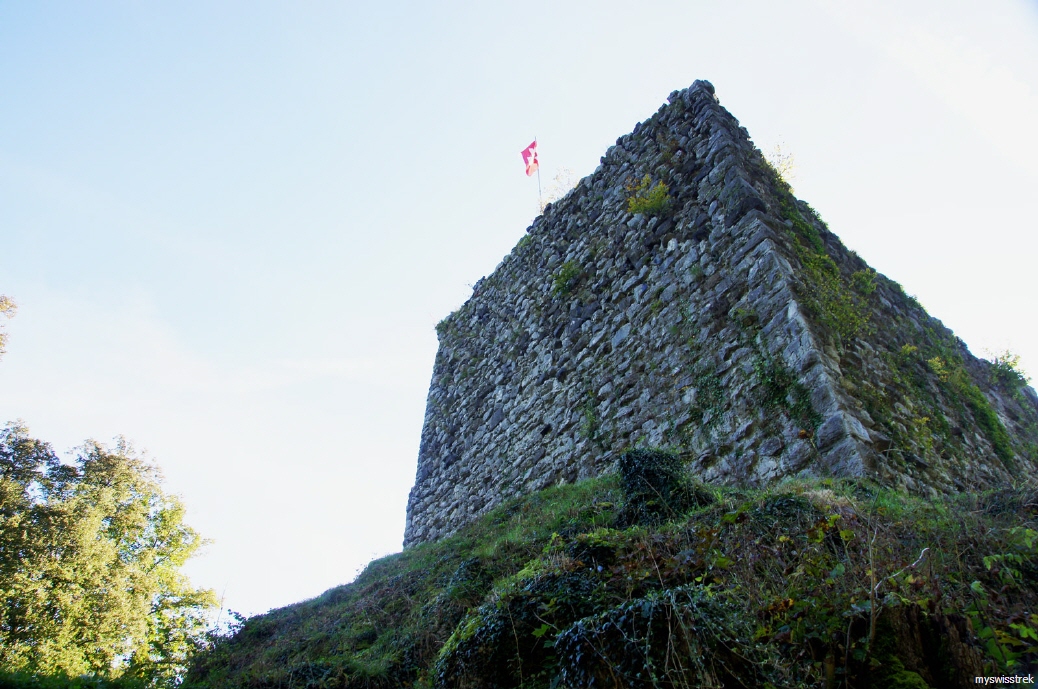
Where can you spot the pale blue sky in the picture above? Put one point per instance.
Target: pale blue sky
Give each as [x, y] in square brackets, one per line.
[231, 227]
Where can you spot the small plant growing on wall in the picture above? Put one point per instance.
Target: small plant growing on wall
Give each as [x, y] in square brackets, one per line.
[566, 280]
[783, 163]
[646, 198]
[864, 281]
[939, 367]
[1005, 369]
[563, 183]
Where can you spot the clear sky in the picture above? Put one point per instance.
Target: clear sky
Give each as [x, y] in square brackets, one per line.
[230, 227]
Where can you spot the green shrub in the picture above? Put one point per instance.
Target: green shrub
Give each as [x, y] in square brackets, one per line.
[674, 638]
[864, 281]
[1005, 370]
[646, 198]
[939, 368]
[567, 279]
[510, 641]
[469, 583]
[655, 487]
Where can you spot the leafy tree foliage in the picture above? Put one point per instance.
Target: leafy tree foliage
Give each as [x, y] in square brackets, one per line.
[7, 309]
[90, 557]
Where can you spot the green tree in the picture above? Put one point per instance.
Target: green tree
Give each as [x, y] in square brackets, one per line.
[90, 557]
[7, 309]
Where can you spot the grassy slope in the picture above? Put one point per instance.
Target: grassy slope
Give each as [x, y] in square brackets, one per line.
[800, 584]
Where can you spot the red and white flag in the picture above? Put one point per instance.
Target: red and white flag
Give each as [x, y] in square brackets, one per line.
[530, 158]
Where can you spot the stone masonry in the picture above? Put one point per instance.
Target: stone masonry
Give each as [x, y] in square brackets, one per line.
[726, 323]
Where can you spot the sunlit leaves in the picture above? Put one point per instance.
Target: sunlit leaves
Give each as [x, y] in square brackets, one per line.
[89, 564]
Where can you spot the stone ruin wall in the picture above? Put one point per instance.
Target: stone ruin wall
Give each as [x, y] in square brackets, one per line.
[695, 330]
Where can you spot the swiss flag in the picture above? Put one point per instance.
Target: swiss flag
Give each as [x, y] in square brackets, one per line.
[530, 158]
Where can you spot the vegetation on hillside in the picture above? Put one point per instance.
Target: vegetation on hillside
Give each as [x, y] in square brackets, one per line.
[90, 582]
[645, 579]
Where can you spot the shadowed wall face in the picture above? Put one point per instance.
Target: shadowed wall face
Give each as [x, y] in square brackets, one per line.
[681, 297]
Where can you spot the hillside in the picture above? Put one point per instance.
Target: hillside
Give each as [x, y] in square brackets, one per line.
[592, 585]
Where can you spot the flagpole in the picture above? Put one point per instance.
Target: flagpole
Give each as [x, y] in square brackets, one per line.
[540, 200]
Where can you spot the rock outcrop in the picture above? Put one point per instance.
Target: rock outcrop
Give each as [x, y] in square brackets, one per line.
[681, 297]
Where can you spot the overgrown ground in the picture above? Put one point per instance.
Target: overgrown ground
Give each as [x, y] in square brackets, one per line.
[645, 580]
[20, 680]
